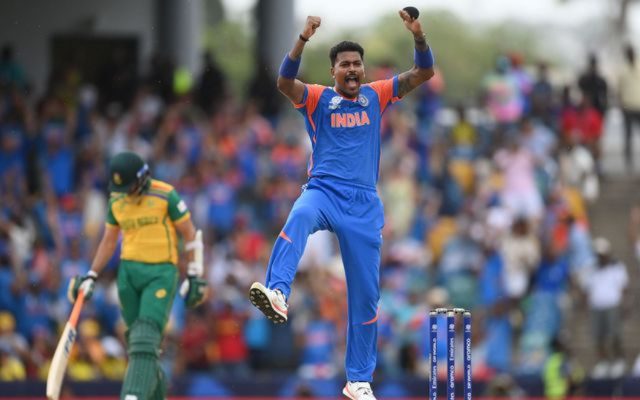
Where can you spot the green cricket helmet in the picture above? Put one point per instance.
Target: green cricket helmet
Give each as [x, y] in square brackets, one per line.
[128, 173]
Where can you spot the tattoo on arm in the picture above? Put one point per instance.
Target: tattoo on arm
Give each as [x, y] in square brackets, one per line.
[421, 43]
[409, 80]
[404, 83]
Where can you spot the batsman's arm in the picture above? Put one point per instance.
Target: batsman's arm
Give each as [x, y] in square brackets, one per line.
[106, 248]
[188, 233]
[181, 218]
[422, 69]
[104, 252]
[287, 82]
[194, 288]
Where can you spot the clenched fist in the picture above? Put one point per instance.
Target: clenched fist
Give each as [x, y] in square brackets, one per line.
[85, 283]
[310, 26]
[413, 25]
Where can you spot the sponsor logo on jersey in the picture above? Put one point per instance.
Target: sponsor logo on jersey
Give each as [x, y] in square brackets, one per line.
[335, 102]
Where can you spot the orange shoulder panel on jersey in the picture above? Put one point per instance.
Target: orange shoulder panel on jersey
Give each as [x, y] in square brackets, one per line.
[384, 88]
[313, 96]
[311, 101]
[161, 186]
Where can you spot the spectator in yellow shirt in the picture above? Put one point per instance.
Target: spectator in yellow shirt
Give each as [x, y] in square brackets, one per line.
[11, 368]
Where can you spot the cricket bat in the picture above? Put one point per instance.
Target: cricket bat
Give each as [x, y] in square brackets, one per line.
[58, 365]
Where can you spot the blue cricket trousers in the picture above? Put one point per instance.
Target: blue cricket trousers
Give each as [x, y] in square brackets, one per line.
[355, 215]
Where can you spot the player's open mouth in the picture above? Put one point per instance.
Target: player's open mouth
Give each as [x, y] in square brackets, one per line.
[352, 82]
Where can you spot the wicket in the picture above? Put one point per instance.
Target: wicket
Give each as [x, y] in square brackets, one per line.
[451, 358]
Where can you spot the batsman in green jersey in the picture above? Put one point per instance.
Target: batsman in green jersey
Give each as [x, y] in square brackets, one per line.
[149, 214]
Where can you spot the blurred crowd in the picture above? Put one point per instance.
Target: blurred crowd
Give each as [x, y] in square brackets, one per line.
[485, 209]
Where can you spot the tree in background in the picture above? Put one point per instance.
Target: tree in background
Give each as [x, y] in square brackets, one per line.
[466, 54]
[619, 11]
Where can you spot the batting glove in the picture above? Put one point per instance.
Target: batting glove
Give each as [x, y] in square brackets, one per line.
[85, 283]
[194, 290]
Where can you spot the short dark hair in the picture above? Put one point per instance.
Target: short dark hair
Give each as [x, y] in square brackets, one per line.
[344, 46]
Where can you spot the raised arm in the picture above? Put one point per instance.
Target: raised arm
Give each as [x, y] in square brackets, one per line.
[422, 69]
[287, 82]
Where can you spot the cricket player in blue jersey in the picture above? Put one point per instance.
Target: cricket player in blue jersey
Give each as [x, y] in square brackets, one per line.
[343, 123]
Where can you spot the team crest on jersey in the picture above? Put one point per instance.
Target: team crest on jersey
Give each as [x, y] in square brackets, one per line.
[335, 102]
[363, 100]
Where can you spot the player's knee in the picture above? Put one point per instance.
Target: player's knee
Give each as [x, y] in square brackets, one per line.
[144, 337]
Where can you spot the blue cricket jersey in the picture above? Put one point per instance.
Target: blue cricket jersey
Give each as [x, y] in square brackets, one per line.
[345, 133]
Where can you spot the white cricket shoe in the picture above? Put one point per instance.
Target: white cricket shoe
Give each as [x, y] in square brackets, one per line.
[271, 302]
[358, 391]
